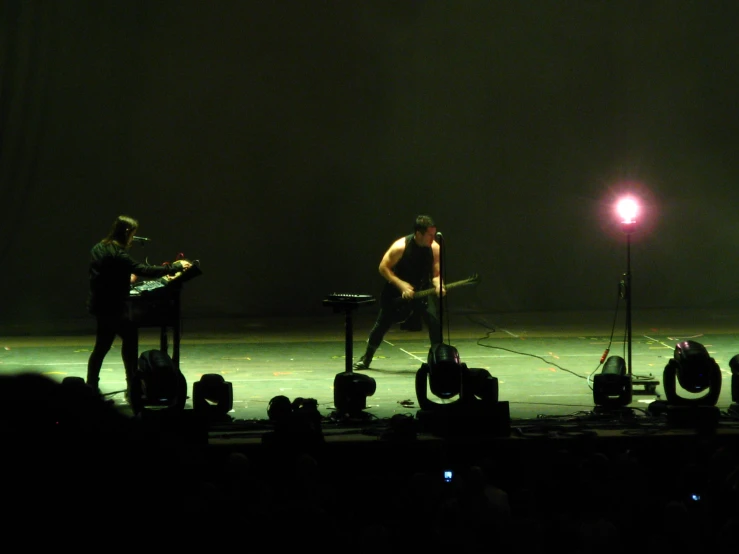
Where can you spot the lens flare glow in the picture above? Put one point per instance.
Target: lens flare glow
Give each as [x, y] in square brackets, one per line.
[627, 209]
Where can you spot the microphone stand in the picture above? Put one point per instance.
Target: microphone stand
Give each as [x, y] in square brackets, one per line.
[442, 252]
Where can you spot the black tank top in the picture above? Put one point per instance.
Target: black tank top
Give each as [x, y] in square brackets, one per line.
[416, 264]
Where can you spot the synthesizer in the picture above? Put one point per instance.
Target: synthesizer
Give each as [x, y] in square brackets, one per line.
[151, 285]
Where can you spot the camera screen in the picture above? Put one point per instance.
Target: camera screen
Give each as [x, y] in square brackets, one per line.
[448, 476]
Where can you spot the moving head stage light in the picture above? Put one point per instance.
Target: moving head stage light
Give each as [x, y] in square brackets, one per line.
[696, 372]
[699, 376]
[467, 397]
[612, 386]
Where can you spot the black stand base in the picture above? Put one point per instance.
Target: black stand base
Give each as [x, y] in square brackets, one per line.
[649, 384]
[620, 412]
[701, 417]
[698, 417]
[467, 420]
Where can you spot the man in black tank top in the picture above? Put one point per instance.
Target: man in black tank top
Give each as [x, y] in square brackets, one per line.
[410, 265]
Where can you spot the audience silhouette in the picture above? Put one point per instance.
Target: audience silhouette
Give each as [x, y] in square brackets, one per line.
[72, 461]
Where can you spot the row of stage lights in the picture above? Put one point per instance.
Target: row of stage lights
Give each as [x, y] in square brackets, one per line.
[164, 390]
[691, 378]
[471, 392]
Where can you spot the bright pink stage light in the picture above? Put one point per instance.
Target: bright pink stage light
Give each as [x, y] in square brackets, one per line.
[627, 208]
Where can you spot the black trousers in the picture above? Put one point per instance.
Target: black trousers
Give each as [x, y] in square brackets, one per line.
[388, 317]
[108, 327]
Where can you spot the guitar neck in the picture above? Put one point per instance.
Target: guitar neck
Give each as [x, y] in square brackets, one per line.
[422, 293]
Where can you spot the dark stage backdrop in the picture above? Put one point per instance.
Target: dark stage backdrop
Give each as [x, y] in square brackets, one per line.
[285, 144]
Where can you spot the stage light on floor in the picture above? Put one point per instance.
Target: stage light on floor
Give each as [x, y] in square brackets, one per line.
[445, 371]
[467, 397]
[696, 372]
[157, 384]
[212, 396]
[612, 386]
[447, 377]
[699, 376]
[350, 393]
[734, 365]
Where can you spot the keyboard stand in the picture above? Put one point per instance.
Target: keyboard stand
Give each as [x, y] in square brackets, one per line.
[347, 303]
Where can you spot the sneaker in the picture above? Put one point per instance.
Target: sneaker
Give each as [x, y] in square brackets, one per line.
[361, 364]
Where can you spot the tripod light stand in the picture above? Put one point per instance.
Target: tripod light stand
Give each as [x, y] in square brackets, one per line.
[628, 209]
[612, 388]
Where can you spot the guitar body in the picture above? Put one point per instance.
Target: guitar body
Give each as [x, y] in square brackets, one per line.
[392, 302]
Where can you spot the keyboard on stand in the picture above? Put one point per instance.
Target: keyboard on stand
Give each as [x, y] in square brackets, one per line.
[348, 302]
[339, 299]
[147, 286]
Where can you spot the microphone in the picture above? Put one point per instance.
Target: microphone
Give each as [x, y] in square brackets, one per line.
[439, 236]
[140, 240]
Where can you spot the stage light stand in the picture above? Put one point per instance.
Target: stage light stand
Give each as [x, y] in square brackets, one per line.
[650, 385]
[628, 228]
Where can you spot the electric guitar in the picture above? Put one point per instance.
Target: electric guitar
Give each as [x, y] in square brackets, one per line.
[392, 300]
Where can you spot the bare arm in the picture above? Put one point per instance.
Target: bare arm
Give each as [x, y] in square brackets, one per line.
[436, 271]
[389, 260]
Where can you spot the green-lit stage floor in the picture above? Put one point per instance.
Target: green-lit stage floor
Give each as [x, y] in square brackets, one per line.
[544, 362]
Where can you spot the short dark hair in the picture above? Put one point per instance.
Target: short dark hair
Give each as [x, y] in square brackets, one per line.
[423, 222]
